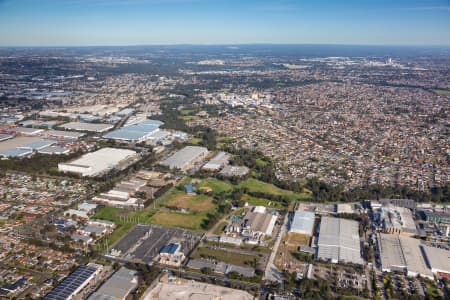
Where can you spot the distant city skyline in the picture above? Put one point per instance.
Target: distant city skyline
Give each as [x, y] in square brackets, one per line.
[160, 22]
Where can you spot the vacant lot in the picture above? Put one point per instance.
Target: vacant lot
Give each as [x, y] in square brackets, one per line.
[297, 239]
[225, 256]
[193, 203]
[262, 202]
[108, 213]
[174, 219]
[255, 186]
[215, 185]
[287, 251]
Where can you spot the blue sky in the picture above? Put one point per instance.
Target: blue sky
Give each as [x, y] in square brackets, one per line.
[144, 22]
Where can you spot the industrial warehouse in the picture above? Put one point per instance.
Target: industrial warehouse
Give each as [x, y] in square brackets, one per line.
[99, 162]
[118, 286]
[406, 254]
[303, 222]
[73, 284]
[339, 241]
[217, 162]
[186, 158]
[396, 219]
[136, 132]
[23, 146]
[90, 127]
[254, 226]
[63, 134]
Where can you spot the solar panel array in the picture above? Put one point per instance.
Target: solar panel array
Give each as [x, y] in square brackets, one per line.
[77, 280]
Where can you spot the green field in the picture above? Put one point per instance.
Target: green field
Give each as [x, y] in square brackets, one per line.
[224, 140]
[260, 162]
[195, 203]
[441, 92]
[187, 111]
[191, 221]
[195, 141]
[217, 186]
[225, 256]
[262, 202]
[197, 207]
[188, 118]
[255, 186]
[123, 216]
[108, 213]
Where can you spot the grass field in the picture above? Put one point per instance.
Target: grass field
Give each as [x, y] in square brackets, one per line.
[198, 206]
[108, 213]
[441, 92]
[194, 141]
[191, 221]
[195, 203]
[187, 111]
[188, 118]
[224, 140]
[225, 256]
[262, 202]
[260, 162]
[217, 186]
[122, 216]
[254, 185]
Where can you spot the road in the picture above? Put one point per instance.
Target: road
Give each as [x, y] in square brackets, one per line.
[272, 273]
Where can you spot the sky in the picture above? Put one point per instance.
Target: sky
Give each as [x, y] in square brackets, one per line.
[157, 22]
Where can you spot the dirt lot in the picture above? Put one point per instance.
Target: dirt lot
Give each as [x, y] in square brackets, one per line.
[288, 246]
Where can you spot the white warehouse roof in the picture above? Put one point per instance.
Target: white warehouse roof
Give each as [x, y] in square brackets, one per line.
[303, 222]
[400, 253]
[95, 163]
[217, 162]
[438, 259]
[339, 241]
[184, 158]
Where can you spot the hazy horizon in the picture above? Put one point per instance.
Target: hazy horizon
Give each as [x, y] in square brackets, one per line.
[223, 22]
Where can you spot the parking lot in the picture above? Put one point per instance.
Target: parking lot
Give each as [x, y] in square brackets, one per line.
[143, 242]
